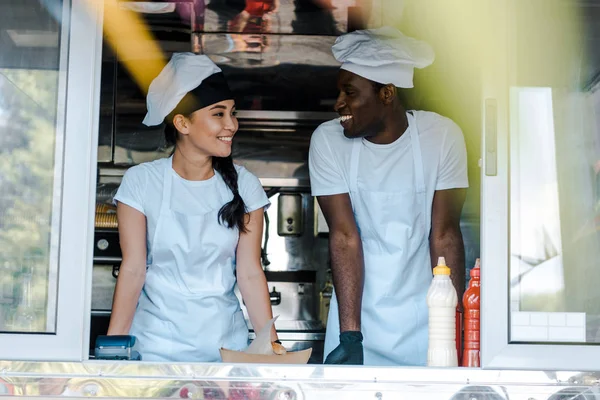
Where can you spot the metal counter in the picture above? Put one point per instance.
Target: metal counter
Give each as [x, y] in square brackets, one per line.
[288, 382]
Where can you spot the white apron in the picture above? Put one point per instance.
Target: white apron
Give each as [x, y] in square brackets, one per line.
[394, 228]
[188, 309]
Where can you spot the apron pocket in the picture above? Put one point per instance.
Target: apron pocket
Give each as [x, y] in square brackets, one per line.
[154, 336]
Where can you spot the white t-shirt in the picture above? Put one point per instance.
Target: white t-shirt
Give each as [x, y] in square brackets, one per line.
[142, 187]
[442, 146]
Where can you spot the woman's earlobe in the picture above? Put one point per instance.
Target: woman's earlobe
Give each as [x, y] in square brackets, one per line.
[180, 124]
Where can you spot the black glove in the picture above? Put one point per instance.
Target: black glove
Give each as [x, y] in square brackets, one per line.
[350, 350]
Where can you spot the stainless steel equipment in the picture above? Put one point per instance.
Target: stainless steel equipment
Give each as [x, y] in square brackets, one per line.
[321, 227]
[290, 214]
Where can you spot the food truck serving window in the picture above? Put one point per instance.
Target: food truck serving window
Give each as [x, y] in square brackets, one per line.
[539, 194]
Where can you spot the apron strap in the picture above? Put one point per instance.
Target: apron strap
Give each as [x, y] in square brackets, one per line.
[416, 150]
[165, 205]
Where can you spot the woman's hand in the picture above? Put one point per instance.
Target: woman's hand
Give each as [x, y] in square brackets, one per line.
[278, 348]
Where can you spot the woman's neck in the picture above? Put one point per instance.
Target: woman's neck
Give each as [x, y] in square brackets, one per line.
[192, 166]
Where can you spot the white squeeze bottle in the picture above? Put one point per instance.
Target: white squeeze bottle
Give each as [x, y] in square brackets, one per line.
[442, 301]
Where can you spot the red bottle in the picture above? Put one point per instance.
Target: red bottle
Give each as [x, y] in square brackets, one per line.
[471, 310]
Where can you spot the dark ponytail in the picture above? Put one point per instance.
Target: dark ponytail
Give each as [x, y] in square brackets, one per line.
[170, 134]
[233, 213]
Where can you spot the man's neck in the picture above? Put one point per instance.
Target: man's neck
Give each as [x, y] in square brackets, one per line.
[394, 126]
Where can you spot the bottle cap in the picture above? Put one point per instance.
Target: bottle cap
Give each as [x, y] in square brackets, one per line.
[476, 271]
[441, 268]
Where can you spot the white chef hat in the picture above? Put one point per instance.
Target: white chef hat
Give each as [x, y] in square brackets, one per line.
[382, 55]
[187, 83]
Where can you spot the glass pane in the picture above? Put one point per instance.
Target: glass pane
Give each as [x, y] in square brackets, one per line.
[174, 18]
[555, 176]
[31, 130]
[107, 93]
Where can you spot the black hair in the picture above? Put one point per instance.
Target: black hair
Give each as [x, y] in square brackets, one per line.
[377, 86]
[233, 213]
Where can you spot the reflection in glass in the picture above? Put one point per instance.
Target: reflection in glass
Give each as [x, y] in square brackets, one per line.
[107, 94]
[536, 248]
[554, 225]
[554, 186]
[554, 218]
[30, 131]
[256, 17]
[302, 17]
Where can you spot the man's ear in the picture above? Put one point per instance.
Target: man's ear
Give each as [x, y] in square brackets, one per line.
[387, 94]
[181, 123]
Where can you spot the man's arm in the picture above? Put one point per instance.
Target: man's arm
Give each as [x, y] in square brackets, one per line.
[347, 263]
[446, 238]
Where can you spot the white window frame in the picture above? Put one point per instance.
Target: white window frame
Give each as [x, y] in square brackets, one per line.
[496, 350]
[77, 150]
